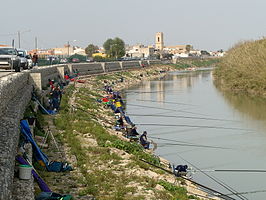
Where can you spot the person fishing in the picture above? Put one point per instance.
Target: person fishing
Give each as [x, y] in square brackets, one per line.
[180, 170]
[133, 131]
[143, 140]
[120, 122]
[56, 97]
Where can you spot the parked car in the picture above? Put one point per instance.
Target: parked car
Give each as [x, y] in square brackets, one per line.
[75, 60]
[89, 60]
[23, 60]
[63, 60]
[9, 58]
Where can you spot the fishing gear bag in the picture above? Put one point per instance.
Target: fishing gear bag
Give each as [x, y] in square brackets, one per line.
[53, 196]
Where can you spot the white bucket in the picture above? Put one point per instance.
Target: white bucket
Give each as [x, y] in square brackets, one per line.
[25, 172]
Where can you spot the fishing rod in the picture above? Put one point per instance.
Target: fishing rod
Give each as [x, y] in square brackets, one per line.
[189, 145]
[249, 192]
[140, 92]
[194, 126]
[167, 102]
[207, 189]
[182, 116]
[186, 143]
[224, 185]
[165, 109]
[171, 132]
[235, 170]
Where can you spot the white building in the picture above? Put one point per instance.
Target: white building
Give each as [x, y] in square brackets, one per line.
[140, 51]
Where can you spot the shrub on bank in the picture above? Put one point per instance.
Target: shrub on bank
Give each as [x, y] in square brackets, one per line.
[243, 69]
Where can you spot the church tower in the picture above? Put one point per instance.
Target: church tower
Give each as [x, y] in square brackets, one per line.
[159, 44]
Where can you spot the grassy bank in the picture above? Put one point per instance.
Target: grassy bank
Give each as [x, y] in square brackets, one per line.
[184, 63]
[107, 165]
[243, 69]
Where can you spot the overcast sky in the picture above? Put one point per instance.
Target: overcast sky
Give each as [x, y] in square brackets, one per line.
[205, 24]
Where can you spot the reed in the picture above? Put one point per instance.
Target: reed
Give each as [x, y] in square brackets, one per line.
[243, 69]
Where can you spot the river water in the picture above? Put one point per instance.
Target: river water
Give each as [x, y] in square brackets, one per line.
[185, 109]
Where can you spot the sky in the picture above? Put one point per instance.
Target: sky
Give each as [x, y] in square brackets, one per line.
[205, 24]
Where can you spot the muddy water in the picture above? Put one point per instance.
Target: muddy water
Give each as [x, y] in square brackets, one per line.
[185, 109]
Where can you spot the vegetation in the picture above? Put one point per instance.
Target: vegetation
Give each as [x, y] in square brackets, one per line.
[90, 49]
[99, 170]
[196, 62]
[114, 48]
[243, 69]
[78, 56]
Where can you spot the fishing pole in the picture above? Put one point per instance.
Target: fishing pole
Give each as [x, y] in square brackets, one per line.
[208, 190]
[165, 109]
[167, 102]
[171, 132]
[189, 145]
[182, 116]
[249, 192]
[194, 126]
[140, 92]
[235, 170]
[216, 180]
[186, 143]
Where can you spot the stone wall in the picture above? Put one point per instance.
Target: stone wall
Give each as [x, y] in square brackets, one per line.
[15, 94]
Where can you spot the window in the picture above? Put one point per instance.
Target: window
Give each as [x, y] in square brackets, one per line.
[158, 39]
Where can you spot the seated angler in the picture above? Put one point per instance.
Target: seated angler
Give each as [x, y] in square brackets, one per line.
[134, 132]
[180, 170]
[120, 121]
[143, 140]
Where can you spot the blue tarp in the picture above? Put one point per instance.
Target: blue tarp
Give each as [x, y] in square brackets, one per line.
[39, 155]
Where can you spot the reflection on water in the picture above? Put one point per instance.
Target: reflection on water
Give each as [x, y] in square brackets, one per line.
[194, 96]
[253, 107]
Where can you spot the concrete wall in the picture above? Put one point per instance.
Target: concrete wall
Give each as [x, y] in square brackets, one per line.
[131, 65]
[15, 94]
[88, 68]
[112, 66]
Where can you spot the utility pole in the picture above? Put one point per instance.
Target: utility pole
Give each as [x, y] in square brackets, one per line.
[36, 44]
[19, 39]
[68, 48]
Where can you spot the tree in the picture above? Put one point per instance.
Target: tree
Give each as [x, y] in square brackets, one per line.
[114, 47]
[90, 49]
[188, 48]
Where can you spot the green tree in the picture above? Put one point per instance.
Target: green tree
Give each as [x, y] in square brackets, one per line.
[90, 49]
[114, 47]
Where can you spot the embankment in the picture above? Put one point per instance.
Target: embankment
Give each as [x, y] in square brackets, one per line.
[15, 94]
[107, 165]
[243, 69]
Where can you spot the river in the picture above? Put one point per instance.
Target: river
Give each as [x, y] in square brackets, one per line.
[196, 124]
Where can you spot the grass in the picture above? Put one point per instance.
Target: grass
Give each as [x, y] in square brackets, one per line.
[243, 69]
[99, 171]
[186, 63]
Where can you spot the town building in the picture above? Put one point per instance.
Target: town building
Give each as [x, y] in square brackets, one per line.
[140, 51]
[65, 51]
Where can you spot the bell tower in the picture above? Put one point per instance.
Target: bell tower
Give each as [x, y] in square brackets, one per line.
[159, 44]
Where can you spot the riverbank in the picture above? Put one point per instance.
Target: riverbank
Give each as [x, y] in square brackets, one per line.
[107, 165]
[243, 70]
